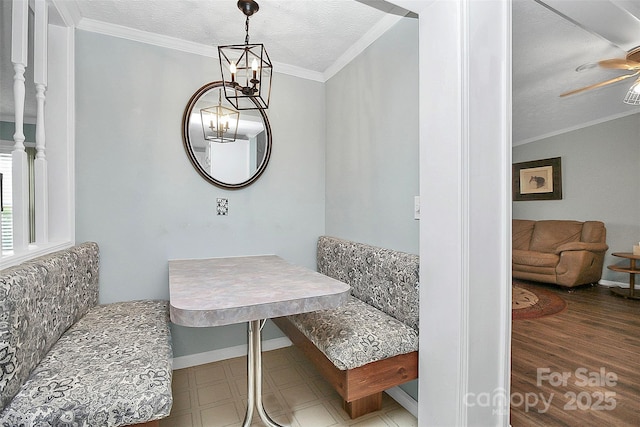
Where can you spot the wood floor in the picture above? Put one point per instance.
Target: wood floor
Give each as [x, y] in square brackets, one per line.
[580, 367]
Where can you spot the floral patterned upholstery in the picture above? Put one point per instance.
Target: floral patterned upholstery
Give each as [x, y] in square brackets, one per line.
[386, 279]
[65, 361]
[356, 334]
[60, 288]
[380, 320]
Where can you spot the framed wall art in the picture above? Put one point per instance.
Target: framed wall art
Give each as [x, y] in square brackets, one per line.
[538, 180]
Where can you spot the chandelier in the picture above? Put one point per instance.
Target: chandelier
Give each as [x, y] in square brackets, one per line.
[219, 123]
[246, 68]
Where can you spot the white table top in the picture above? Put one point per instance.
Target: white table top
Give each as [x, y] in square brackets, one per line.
[222, 291]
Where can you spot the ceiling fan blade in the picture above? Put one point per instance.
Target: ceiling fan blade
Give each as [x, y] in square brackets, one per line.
[620, 64]
[607, 82]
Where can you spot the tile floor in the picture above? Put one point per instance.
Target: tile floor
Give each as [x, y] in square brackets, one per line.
[294, 394]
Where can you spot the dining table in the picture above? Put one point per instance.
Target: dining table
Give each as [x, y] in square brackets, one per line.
[228, 290]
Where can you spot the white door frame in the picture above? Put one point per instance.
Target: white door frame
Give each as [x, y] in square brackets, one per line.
[465, 244]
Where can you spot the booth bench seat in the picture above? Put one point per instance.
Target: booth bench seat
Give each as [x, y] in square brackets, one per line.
[66, 361]
[369, 344]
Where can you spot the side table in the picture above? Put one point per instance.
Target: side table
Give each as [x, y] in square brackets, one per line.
[632, 270]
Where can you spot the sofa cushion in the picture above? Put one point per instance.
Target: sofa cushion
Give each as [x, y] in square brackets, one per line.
[521, 232]
[537, 259]
[593, 232]
[383, 278]
[356, 333]
[548, 235]
[112, 368]
[39, 300]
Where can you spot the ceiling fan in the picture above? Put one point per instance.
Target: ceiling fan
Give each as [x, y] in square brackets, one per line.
[630, 63]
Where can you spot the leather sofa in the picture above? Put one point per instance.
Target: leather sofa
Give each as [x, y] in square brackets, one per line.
[563, 252]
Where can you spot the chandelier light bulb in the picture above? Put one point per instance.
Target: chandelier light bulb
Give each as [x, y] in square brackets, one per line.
[234, 70]
[254, 68]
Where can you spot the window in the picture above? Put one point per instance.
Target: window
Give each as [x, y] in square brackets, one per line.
[5, 215]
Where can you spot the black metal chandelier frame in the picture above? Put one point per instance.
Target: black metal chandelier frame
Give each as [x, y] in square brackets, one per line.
[246, 68]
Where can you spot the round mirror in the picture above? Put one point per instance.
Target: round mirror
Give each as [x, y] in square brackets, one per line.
[228, 148]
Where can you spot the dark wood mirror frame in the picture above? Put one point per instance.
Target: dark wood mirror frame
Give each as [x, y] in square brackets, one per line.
[190, 151]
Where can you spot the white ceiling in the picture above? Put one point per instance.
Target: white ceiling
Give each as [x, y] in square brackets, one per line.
[547, 49]
[309, 34]
[315, 38]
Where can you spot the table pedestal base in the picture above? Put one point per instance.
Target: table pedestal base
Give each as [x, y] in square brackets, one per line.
[254, 377]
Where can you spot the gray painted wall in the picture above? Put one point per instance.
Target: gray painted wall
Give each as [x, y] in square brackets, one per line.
[600, 166]
[372, 143]
[138, 196]
[372, 146]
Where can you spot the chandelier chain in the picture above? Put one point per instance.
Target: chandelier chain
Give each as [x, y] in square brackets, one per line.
[246, 28]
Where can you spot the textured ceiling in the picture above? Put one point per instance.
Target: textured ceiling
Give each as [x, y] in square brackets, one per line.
[547, 49]
[310, 34]
[551, 38]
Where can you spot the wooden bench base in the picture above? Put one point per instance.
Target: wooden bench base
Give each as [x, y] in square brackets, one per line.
[363, 406]
[361, 388]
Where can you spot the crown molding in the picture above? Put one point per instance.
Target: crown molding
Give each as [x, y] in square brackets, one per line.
[168, 42]
[295, 71]
[577, 127]
[364, 42]
[181, 45]
[68, 11]
[146, 37]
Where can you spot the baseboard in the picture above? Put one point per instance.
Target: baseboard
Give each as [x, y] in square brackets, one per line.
[190, 360]
[404, 399]
[612, 284]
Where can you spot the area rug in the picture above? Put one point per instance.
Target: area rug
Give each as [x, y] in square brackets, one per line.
[531, 301]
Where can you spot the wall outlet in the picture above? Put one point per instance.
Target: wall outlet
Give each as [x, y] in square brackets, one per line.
[222, 206]
[416, 207]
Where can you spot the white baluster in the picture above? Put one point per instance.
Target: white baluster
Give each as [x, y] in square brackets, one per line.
[40, 80]
[19, 44]
[18, 100]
